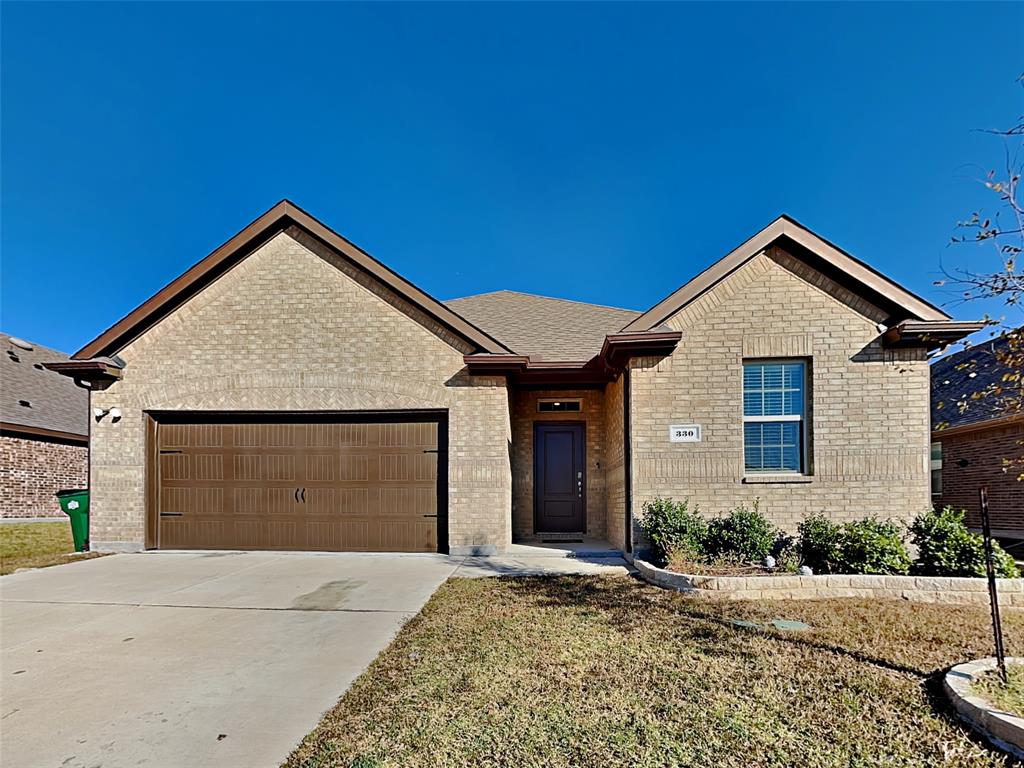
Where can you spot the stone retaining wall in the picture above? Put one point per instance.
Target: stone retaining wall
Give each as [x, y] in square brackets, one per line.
[922, 589]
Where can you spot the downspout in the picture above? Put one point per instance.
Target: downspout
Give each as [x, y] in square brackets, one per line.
[627, 460]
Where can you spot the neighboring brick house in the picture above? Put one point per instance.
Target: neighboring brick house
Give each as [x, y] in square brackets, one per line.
[291, 392]
[973, 436]
[44, 431]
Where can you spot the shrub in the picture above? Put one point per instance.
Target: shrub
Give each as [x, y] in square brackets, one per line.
[673, 529]
[787, 554]
[865, 546]
[947, 548]
[819, 542]
[744, 534]
[872, 546]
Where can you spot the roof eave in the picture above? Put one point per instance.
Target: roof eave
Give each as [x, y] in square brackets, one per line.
[27, 431]
[89, 374]
[929, 334]
[997, 422]
[615, 353]
[618, 348]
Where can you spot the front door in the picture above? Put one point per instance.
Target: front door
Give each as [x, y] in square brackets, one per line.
[559, 477]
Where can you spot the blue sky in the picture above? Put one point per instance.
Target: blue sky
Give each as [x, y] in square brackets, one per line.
[475, 147]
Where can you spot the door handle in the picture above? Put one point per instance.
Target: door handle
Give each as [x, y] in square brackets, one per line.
[296, 495]
[303, 495]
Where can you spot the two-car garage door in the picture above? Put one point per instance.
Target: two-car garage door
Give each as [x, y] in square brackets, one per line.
[316, 484]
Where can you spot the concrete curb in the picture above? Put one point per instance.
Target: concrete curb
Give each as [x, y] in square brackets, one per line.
[1003, 730]
[920, 589]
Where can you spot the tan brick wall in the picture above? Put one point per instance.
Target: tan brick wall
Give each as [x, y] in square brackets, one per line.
[524, 416]
[982, 453]
[32, 471]
[869, 406]
[293, 328]
[615, 475]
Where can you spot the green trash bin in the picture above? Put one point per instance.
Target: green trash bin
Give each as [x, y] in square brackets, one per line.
[75, 503]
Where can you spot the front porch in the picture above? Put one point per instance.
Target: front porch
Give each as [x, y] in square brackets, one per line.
[564, 467]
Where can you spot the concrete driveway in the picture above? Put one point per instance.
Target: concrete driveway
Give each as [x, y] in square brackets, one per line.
[203, 659]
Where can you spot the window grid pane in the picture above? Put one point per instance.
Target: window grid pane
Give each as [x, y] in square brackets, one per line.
[773, 390]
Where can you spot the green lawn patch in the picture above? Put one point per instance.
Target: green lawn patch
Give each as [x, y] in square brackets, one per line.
[605, 671]
[37, 545]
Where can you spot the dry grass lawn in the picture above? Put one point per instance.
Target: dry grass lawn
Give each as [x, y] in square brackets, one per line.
[37, 545]
[605, 671]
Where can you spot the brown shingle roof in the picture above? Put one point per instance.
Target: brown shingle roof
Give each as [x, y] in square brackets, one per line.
[54, 401]
[959, 379]
[541, 327]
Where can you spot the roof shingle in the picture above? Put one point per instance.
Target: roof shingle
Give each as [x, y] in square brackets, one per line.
[554, 330]
[54, 401]
[958, 377]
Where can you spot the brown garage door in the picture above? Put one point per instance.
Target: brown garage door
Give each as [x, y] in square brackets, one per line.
[298, 486]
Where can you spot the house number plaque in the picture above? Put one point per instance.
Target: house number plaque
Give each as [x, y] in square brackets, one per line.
[684, 433]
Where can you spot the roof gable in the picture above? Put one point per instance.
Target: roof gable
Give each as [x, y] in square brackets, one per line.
[279, 218]
[803, 244]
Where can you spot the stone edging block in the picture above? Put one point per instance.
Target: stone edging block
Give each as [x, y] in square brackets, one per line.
[1002, 729]
[921, 589]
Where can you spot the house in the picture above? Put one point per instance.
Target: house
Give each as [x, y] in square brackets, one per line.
[44, 431]
[972, 436]
[289, 391]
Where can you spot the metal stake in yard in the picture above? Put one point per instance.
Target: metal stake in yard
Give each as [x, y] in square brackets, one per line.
[993, 596]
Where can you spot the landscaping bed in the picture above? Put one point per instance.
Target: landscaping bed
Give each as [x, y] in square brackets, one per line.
[38, 545]
[744, 543]
[608, 671]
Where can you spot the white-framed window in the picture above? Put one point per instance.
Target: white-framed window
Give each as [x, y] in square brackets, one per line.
[559, 404]
[936, 469]
[774, 416]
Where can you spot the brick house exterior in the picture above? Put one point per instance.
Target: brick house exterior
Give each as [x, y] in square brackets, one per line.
[869, 410]
[972, 438]
[553, 416]
[43, 431]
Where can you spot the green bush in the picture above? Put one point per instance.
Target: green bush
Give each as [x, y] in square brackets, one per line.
[947, 548]
[865, 546]
[673, 529]
[819, 541]
[786, 552]
[872, 546]
[744, 534]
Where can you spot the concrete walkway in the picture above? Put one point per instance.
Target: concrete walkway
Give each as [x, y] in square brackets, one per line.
[206, 659]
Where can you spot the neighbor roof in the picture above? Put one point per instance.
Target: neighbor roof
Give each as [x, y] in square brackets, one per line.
[541, 327]
[956, 378]
[54, 404]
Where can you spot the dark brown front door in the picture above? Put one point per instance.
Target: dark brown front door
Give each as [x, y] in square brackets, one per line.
[559, 477]
[307, 486]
